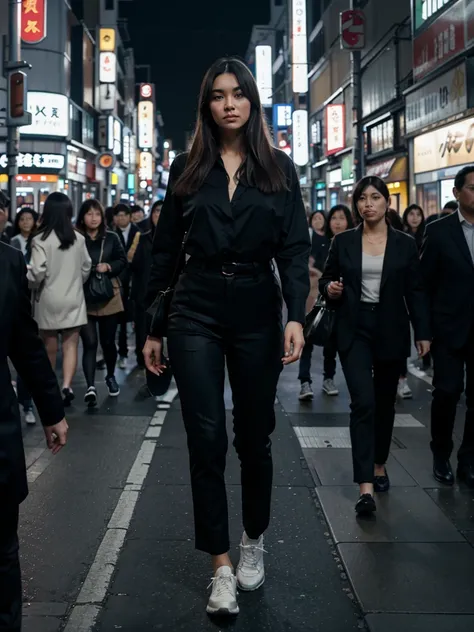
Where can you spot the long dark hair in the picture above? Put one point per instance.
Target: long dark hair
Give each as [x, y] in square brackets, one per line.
[85, 208]
[346, 210]
[362, 185]
[323, 215]
[57, 216]
[260, 168]
[19, 215]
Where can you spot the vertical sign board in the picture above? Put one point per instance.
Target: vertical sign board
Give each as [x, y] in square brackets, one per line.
[300, 138]
[300, 47]
[264, 73]
[107, 68]
[335, 128]
[33, 21]
[146, 125]
[352, 29]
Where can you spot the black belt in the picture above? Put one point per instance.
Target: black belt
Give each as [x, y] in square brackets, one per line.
[228, 268]
[369, 307]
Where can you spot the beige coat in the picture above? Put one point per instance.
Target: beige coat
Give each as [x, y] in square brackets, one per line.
[57, 278]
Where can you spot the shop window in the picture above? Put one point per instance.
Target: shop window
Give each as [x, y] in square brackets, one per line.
[381, 136]
[316, 47]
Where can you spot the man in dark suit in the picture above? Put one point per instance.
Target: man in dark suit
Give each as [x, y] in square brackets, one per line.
[5, 226]
[19, 341]
[129, 235]
[447, 259]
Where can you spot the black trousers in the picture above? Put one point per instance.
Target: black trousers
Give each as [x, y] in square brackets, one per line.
[449, 366]
[107, 326]
[237, 319]
[10, 576]
[329, 362]
[140, 333]
[372, 385]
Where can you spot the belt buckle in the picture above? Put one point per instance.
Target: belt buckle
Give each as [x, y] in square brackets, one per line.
[226, 274]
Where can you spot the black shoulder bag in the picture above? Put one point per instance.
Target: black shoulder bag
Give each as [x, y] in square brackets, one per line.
[160, 308]
[319, 324]
[98, 288]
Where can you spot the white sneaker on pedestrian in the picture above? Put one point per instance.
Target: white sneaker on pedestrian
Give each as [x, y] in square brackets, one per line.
[90, 398]
[330, 388]
[223, 599]
[30, 418]
[306, 392]
[122, 363]
[404, 391]
[250, 570]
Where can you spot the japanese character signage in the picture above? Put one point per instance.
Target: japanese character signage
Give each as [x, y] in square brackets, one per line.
[446, 147]
[35, 161]
[50, 114]
[300, 47]
[107, 68]
[353, 29]
[443, 39]
[33, 21]
[146, 124]
[335, 128]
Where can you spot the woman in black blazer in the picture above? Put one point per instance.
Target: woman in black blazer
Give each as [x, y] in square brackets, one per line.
[372, 277]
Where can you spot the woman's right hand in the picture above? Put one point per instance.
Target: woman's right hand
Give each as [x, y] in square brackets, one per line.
[335, 289]
[152, 355]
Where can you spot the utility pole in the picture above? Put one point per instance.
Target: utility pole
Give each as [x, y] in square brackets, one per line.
[356, 63]
[17, 114]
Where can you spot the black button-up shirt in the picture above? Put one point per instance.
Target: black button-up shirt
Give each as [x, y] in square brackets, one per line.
[253, 227]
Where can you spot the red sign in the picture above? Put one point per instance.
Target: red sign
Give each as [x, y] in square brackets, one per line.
[353, 29]
[441, 41]
[33, 21]
[335, 128]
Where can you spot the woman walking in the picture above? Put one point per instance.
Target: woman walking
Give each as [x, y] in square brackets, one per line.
[238, 199]
[372, 276]
[23, 230]
[108, 259]
[58, 268]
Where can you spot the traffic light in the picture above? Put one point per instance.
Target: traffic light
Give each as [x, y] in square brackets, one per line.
[17, 114]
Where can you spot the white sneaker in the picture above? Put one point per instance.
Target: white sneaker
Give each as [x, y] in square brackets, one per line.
[90, 398]
[122, 363]
[30, 418]
[306, 392]
[330, 388]
[404, 391]
[250, 570]
[223, 599]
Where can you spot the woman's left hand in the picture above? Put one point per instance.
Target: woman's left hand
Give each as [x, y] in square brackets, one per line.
[102, 268]
[423, 347]
[294, 342]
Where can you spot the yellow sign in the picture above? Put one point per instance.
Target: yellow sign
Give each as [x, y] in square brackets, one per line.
[448, 146]
[114, 179]
[107, 40]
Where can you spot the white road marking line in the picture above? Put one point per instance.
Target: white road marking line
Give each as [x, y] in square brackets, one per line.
[39, 466]
[90, 600]
[33, 454]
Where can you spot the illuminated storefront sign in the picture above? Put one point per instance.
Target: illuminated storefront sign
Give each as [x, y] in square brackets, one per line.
[50, 115]
[449, 146]
[145, 171]
[35, 161]
[107, 40]
[300, 137]
[335, 128]
[107, 68]
[300, 47]
[117, 148]
[146, 125]
[264, 73]
[33, 21]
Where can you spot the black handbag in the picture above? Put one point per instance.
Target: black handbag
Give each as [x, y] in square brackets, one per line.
[98, 288]
[160, 308]
[319, 324]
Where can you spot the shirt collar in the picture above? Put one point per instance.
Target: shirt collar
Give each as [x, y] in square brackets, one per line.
[462, 219]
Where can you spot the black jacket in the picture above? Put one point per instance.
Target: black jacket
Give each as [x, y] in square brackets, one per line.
[319, 250]
[253, 227]
[125, 276]
[113, 254]
[401, 288]
[141, 268]
[448, 272]
[19, 340]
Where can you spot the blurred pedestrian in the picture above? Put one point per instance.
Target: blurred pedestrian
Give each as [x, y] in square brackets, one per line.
[447, 261]
[5, 225]
[238, 200]
[129, 236]
[373, 276]
[108, 259]
[339, 219]
[138, 214]
[21, 344]
[23, 230]
[141, 268]
[59, 266]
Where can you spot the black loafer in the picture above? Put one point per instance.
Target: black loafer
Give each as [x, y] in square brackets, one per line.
[466, 474]
[442, 471]
[365, 506]
[382, 483]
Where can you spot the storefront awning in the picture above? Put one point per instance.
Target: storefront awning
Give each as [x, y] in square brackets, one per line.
[391, 170]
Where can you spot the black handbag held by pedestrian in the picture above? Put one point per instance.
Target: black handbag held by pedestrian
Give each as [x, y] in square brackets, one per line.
[160, 308]
[98, 288]
[319, 324]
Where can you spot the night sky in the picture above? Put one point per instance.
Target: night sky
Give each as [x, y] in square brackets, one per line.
[181, 39]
